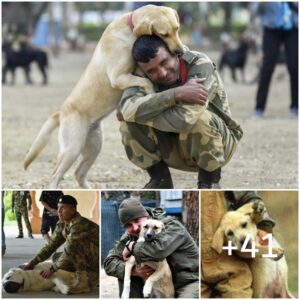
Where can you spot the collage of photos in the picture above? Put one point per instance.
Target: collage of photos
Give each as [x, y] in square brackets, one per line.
[150, 149]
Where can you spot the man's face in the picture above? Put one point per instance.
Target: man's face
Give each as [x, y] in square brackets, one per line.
[66, 212]
[133, 227]
[163, 69]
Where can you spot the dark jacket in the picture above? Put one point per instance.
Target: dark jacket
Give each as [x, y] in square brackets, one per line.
[175, 244]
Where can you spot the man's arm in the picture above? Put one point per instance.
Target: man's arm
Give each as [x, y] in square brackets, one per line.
[173, 110]
[114, 265]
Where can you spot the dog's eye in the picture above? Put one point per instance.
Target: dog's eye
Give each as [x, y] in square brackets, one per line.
[244, 225]
[165, 35]
[230, 233]
[8, 277]
[146, 226]
[155, 227]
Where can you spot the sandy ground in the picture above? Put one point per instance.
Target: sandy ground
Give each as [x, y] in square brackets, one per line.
[267, 156]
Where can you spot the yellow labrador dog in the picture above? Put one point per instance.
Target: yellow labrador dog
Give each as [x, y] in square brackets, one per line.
[99, 90]
[160, 283]
[269, 275]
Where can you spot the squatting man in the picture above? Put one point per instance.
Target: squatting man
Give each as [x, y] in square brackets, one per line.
[186, 124]
[80, 237]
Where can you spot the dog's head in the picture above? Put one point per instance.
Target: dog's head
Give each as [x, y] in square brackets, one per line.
[161, 21]
[13, 280]
[150, 229]
[235, 227]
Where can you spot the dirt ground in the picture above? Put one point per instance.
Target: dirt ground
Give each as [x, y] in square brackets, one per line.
[267, 156]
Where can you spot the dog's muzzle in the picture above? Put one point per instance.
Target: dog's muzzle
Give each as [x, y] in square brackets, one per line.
[11, 286]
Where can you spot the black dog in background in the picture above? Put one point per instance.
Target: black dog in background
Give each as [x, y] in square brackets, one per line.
[23, 59]
[235, 59]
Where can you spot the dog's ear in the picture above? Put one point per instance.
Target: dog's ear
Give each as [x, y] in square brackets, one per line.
[143, 28]
[176, 15]
[218, 240]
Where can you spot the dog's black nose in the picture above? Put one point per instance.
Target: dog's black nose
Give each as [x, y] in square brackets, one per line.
[11, 286]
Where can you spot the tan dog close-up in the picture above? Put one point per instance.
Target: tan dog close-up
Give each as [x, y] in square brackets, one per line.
[99, 90]
[160, 283]
[270, 274]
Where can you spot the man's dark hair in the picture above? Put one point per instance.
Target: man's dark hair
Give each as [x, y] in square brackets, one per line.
[146, 47]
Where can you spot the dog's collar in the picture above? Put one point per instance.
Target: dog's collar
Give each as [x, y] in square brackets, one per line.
[129, 21]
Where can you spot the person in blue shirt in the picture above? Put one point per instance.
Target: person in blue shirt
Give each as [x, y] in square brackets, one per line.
[280, 27]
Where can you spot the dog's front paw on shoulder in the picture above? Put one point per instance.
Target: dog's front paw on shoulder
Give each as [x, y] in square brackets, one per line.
[258, 211]
[279, 253]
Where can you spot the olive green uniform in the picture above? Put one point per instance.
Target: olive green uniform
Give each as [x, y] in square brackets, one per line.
[175, 244]
[185, 137]
[81, 246]
[21, 207]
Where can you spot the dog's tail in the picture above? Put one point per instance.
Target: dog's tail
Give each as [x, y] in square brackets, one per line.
[42, 139]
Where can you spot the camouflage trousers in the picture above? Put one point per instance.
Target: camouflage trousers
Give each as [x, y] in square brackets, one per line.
[19, 214]
[85, 257]
[208, 145]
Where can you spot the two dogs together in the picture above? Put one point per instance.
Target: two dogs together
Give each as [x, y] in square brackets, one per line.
[99, 90]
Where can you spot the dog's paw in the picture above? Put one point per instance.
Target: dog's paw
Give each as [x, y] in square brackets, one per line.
[279, 253]
[258, 211]
[147, 289]
[126, 291]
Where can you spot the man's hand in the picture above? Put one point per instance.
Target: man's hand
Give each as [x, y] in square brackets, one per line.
[26, 267]
[126, 253]
[143, 272]
[54, 212]
[192, 92]
[46, 273]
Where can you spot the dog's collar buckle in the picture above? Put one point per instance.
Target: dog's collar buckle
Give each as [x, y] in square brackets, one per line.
[129, 21]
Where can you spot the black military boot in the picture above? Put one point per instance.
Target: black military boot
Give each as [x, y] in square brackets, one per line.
[160, 177]
[209, 180]
[30, 235]
[20, 236]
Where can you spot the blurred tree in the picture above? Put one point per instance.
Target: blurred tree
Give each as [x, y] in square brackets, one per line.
[190, 214]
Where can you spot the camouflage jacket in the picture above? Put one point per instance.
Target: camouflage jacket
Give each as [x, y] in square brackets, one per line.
[175, 244]
[80, 232]
[159, 110]
[19, 200]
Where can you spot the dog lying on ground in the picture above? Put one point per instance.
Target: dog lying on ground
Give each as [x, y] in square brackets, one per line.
[17, 280]
[99, 90]
[24, 58]
[269, 275]
[160, 283]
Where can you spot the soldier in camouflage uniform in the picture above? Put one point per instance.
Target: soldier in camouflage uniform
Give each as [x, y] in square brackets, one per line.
[186, 124]
[21, 208]
[80, 237]
[175, 244]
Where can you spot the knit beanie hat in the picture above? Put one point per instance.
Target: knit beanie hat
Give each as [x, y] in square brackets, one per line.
[131, 209]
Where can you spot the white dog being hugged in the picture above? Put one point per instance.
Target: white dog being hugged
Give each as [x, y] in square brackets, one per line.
[160, 283]
[17, 280]
[99, 90]
[268, 264]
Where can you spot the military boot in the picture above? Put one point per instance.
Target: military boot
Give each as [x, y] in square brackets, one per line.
[30, 236]
[160, 177]
[20, 236]
[81, 284]
[209, 180]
